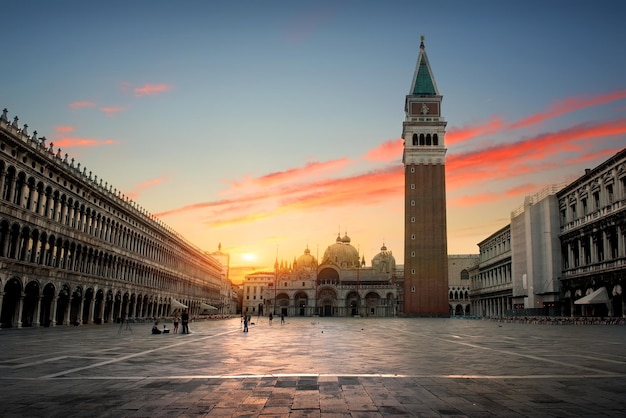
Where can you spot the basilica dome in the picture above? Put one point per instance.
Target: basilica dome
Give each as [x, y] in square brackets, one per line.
[384, 262]
[306, 260]
[342, 253]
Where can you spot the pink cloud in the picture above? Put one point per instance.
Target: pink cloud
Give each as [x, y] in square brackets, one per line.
[151, 89]
[559, 108]
[73, 142]
[63, 129]
[387, 151]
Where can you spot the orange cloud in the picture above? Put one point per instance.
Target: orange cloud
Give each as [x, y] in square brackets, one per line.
[456, 135]
[518, 158]
[293, 175]
[561, 107]
[151, 89]
[78, 105]
[568, 105]
[73, 142]
[387, 151]
[297, 190]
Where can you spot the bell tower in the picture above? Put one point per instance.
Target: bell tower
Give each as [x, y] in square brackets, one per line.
[425, 232]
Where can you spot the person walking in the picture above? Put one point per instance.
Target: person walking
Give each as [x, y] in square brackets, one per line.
[271, 317]
[176, 321]
[282, 318]
[245, 323]
[185, 320]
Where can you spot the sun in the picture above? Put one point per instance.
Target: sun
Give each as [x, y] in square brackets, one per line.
[249, 257]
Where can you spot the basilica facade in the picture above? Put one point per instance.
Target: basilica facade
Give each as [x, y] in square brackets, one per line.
[340, 284]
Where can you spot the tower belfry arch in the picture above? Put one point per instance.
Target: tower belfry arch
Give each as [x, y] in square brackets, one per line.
[425, 230]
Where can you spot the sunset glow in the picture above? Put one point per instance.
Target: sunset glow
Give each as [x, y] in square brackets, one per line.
[271, 129]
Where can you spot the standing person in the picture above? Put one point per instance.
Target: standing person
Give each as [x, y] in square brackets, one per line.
[282, 318]
[245, 323]
[185, 320]
[176, 320]
[271, 317]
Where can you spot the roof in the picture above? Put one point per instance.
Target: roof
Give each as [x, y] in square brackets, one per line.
[423, 80]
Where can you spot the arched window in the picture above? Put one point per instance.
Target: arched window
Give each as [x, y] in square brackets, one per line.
[435, 139]
[428, 140]
[422, 140]
[414, 139]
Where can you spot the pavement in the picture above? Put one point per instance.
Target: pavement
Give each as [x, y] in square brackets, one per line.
[316, 367]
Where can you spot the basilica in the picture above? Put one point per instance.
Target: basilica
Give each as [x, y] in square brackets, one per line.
[340, 284]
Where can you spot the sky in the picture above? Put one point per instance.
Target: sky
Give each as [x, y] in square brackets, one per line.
[270, 127]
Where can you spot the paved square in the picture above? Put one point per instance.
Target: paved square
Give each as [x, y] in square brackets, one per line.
[316, 367]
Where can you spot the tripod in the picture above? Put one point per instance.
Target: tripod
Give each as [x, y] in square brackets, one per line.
[122, 328]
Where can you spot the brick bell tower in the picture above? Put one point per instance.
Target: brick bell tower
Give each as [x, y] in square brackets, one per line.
[425, 232]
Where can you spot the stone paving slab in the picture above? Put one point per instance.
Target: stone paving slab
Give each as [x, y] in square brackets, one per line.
[316, 367]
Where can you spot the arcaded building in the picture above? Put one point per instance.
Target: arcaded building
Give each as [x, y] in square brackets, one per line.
[74, 250]
[425, 230]
[592, 212]
[341, 284]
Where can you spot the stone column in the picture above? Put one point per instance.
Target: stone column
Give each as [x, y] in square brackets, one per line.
[92, 305]
[53, 314]
[20, 306]
[36, 322]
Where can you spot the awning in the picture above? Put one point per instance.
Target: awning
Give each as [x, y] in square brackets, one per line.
[597, 296]
[176, 304]
[206, 307]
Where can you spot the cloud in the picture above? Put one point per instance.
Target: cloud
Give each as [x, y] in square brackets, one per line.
[387, 151]
[151, 89]
[79, 105]
[495, 124]
[301, 189]
[293, 175]
[112, 110]
[139, 188]
[528, 155]
[63, 129]
[75, 142]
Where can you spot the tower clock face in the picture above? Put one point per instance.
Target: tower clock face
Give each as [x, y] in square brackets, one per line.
[424, 109]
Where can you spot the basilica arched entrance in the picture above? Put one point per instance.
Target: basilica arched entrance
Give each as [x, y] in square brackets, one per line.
[353, 304]
[301, 301]
[327, 302]
[372, 302]
[10, 303]
[282, 303]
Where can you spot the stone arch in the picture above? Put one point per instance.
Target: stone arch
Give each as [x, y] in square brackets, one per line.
[75, 302]
[327, 301]
[372, 302]
[353, 304]
[328, 276]
[31, 300]
[46, 314]
[10, 303]
[301, 300]
[63, 305]
[88, 300]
